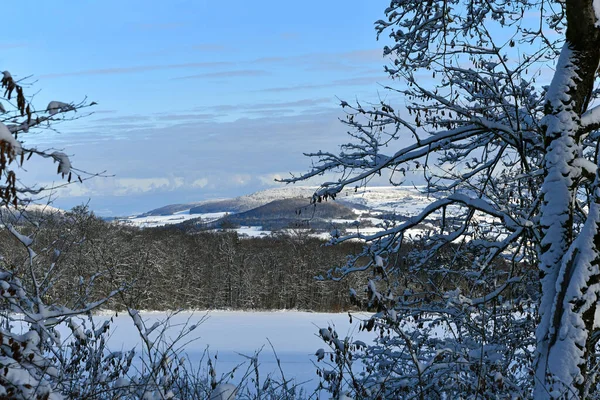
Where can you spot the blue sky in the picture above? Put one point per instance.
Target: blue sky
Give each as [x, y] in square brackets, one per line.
[196, 99]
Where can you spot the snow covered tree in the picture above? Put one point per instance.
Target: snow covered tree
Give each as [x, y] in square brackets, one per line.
[498, 97]
[18, 116]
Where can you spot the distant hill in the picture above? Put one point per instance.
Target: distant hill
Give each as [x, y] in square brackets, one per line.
[280, 214]
[169, 209]
[383, 198]
[229, 205]
[235, 205]
[289, 206]
[298, 208]
[30, 212]
[251, 201]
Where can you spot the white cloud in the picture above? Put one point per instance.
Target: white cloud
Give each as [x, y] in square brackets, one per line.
[200, 183]
[120, 186]
[130, 186]
[241, 179]
[269, 179]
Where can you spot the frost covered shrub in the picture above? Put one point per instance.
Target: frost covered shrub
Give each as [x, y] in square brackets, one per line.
[492, 107]
[462, 350]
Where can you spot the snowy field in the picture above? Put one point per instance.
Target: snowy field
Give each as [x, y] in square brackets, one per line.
[232, 335]
[154, 221]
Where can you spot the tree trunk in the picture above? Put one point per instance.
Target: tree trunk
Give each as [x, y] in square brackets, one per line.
[568, 265]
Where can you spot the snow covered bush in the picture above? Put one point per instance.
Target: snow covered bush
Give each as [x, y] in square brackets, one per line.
[35, 361]
[28, 369]
[498, 98]
[17, 116]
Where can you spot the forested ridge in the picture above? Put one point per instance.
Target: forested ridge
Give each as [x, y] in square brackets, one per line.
[168, 269]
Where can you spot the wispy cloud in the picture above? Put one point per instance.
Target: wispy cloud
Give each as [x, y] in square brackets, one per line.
[227, 74]
[124, 118]
[174, 49]
[210, 113]
[363, 55]
[272, 111]
[349, 60]
[121, 128]
[209, 47]
[270, 105]
[270, 60]
[200, 183]
[289, 35]
[368, 55]
[313, 60]
[159, 26]
[14, 45]
[138, 68]
[127, 186]
[358, 81]
[294, 103]
[143, 120]
[184, 117]
[105, 111]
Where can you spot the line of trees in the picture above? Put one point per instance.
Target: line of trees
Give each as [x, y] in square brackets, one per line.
[167, 269]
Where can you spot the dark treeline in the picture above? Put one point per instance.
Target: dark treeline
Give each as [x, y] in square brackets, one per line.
[169, 269]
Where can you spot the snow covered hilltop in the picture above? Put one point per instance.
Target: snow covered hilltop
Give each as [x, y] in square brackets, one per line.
[260, 213]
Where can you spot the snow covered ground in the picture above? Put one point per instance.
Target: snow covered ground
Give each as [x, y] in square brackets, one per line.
[252, 231]
[154, 221]
[232, 335]
[403, 200]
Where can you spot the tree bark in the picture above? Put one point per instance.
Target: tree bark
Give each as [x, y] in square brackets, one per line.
[566, 263]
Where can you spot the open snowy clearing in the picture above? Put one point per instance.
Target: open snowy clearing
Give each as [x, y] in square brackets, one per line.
[154, 221]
